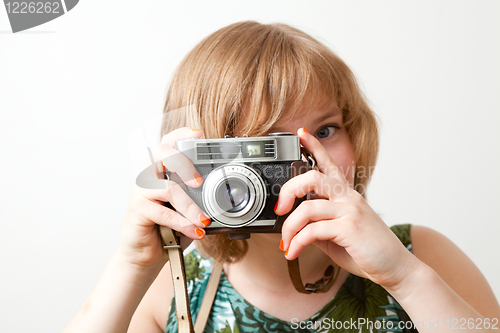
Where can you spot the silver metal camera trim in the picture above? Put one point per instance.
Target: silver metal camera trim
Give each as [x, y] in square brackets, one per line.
[287, 148]
[258, 194]
[256, 223]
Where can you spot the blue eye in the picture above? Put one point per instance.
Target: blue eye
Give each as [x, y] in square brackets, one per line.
[326, 132]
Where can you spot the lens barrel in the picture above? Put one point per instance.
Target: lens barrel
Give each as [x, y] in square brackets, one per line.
[234, 195]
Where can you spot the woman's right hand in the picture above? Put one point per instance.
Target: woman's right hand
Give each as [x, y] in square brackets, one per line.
[140, 242]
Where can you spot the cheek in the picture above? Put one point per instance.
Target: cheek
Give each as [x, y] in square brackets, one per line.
[343, 156]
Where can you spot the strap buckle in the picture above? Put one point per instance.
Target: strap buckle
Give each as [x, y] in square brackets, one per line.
[166, 247]
[320, 284]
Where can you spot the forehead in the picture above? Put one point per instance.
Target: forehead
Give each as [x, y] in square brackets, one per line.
[310, 109]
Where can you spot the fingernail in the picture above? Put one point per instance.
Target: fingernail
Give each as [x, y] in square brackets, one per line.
[195, 129]
[197, 178]
[276, 206]
[304, 130]
[281, 244]
[286, 252]
[204, 219]
[199, 232]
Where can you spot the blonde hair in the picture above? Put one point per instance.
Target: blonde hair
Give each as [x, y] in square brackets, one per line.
[243, 78]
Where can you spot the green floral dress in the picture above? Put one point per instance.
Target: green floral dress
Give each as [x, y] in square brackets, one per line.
[359, 306]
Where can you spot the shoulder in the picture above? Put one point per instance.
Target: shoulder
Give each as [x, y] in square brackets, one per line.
[440, 253]
[454, 267]
[152, 313]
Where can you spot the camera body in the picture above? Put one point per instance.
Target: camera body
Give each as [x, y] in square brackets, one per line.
[242, 179]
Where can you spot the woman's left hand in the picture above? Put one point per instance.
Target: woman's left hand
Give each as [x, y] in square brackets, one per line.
[341, 223]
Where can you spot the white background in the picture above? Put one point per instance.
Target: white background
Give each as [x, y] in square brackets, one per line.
[72, 92]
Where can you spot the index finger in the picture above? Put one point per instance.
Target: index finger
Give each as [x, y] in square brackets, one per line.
[174, 160]
[324, 161]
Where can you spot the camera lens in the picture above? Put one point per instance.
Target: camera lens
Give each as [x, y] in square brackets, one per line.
[232, 195]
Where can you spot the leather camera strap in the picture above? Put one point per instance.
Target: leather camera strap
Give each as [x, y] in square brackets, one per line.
[182, 310]
[176, 258]
[321, 286]
[208, 298]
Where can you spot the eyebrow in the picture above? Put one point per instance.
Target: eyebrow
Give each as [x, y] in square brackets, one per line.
[326, 115]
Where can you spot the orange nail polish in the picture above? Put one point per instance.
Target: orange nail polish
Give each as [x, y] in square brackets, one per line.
[197, 178]
[204, 219]
[276, 206]
[305, 131]
[286, 252]
[281, 244]
[199, 232]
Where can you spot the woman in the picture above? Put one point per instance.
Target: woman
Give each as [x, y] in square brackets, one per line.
[256, 79]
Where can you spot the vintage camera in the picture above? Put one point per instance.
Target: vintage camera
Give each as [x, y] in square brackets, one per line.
[242, 179]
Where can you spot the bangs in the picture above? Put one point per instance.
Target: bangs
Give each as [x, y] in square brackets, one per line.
[293, 72]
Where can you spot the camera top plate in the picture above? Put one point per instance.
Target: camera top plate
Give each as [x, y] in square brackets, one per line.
[277, 147]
